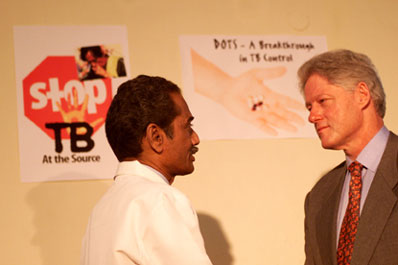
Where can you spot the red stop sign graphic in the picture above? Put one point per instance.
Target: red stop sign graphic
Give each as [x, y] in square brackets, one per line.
[53, 93]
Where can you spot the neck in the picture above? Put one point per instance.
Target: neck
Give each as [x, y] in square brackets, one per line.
[359, 144]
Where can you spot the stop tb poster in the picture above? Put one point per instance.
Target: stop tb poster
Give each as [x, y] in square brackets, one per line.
[66, 77]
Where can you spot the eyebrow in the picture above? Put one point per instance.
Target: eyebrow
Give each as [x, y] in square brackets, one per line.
[190, 119]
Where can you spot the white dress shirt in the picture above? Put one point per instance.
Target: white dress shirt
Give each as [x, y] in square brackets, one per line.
[143, 220]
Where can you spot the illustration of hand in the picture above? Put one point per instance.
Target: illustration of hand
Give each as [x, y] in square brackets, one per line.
[246, 96]
[99, 70]
[74, 113]
[249, 99]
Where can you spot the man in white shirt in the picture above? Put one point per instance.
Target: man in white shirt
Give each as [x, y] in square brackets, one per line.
[142, 219]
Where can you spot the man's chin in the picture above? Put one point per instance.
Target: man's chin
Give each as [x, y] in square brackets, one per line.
[329, 145]
[326, 145]
[185, 171]
[190, 170]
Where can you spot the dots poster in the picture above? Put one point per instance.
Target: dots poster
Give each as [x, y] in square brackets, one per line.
[246, 87]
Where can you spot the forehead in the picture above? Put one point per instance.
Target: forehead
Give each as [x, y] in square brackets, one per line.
[317, 84]
[316, 80]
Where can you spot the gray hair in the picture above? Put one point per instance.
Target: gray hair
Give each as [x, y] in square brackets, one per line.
[346, 69]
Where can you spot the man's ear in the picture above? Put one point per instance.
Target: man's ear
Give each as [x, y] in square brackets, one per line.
[363, 94]
[155, 137]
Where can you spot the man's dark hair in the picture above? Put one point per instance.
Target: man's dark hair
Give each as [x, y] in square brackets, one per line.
[96, 51]
[139, 102]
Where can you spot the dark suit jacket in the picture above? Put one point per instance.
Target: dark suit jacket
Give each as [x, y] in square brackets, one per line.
[377, 237]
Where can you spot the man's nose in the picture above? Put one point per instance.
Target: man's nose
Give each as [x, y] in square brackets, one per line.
[315, 114]
[195, 138]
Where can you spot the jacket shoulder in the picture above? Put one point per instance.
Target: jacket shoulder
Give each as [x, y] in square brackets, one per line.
[329, 180]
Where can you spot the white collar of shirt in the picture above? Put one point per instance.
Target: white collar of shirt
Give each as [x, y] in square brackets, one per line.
[137, 168]
[371, 155]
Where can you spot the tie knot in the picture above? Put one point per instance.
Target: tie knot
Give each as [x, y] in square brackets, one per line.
[355, 168]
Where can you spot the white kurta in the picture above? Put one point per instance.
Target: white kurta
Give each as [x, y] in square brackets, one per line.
[143, 220]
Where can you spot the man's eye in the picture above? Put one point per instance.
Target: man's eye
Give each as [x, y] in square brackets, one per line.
[323, 100]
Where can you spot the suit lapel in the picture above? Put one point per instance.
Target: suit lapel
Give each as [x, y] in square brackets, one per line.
[326, 219]
[378, 205]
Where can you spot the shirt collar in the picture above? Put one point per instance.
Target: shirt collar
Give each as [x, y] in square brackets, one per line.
[371, 155]
[137, 168]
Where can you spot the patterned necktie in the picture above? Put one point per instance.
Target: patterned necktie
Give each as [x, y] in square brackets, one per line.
[351, 217]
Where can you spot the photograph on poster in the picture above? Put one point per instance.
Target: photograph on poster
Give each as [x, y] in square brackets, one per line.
[100, 61]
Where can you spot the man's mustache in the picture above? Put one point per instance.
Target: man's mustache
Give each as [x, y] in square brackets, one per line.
[194, 149]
